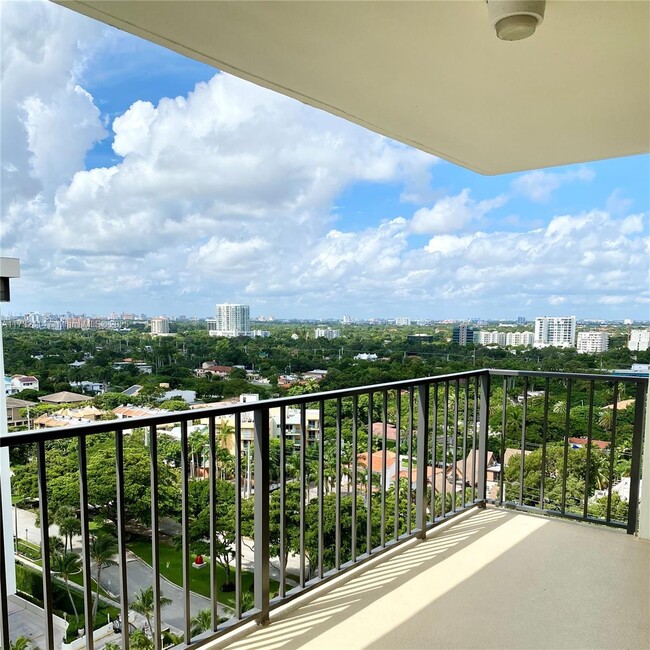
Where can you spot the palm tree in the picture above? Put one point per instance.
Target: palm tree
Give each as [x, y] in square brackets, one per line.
[559, 407]
[143, 603]
[22, 643]
[138, 640]
[56, 545]
[102, 549]
[606, 419]
[67, 564]
[201, 622]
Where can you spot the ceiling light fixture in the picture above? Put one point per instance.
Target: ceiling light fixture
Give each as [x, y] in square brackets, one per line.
[515, 20]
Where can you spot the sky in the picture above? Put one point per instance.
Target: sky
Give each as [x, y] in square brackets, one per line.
[137, 180]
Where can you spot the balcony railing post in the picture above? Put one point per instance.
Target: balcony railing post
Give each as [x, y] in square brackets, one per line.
[484, 416]
[637, 450]
[422, 457]
[261, 506]
[644, 507]
[4, 601]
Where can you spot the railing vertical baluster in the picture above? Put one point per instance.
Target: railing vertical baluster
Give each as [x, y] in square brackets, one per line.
[455, 450]
[214, 587]
[283, 499]
[261, 504]
[185, 526]
[48, 608]
[589, 435]
[155, 544]
[238, 491]
[321, 487]
[409, 471]
[121, 535]
[338, 486]
[484, 418]
[85, 541]
[384, 481]
[542, 483]
[465, 428]
[304, 490]
[422, 457]
[522, 447]
[398, 463]
[475, 440]
[567, 427]
[4, 601]
[369, 479]
[445, 432]
[434, 452]
[637, 452]
[353, 540]
[612, 454]
[504, 420]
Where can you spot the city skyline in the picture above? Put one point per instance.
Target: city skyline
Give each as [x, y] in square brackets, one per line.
[134, 176]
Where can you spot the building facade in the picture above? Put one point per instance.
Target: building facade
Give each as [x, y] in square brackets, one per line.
[232, 320]
[639, 340]
[559, 332]
[592, 342]
[159, 326]
[463, 334]
[326, 333]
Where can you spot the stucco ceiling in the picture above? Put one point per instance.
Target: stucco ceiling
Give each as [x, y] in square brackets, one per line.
[431, 74]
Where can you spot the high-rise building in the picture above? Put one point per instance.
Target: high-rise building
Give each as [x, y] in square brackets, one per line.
[231, 320]
[159, 326]
[463, 334]
[402, 320]
[639, 340]
[592, 342]
[326, 333]
[521, 320]
[557, 331]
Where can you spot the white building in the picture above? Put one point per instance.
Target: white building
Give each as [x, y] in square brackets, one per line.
[402, 320]
[593, 342]
[159, 326]
[559, 332]
[18, 383]
[515, 339]
[490, 338]
[326, 333]
[231, 321]
[639, 340]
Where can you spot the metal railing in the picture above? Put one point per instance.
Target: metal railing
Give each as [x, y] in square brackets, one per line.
[389, 462]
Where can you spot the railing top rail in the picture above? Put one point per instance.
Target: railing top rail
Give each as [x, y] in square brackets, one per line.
[605, 376]
[74, 430]
[106, 426]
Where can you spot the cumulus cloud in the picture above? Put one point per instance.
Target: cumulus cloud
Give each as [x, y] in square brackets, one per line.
[48, 120]
[453, 213]
[539, 185]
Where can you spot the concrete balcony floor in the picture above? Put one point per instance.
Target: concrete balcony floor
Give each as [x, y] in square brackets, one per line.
[493, 579]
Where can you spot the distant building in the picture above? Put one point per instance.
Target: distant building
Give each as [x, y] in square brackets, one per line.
[490, 338]
[141, 366]
[260, 334]
[231, 321]
[557, 332]
[346, 320]
[521, 320]
[419, 338]
[326, 333]
[515, 339]
[18, 383]
[159, 326]
[402, 320]
[592, 342]
[463, 334]
[639, 340]
[364, 356]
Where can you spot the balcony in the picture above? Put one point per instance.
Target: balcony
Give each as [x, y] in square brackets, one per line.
[446, 467]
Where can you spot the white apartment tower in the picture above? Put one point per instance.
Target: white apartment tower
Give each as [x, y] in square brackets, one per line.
[557, 331]
[593, 342]
[231, 321]
[159, 326]
[639, 340]
[326, 333]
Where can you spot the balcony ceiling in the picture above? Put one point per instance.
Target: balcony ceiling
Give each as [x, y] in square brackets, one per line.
[431, 74]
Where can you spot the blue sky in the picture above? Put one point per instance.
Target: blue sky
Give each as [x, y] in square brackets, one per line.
[135, 179]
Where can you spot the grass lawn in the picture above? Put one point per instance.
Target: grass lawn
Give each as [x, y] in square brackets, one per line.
[171, 567]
